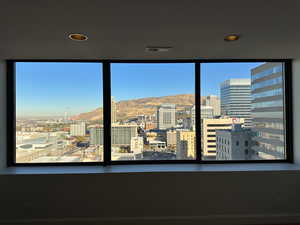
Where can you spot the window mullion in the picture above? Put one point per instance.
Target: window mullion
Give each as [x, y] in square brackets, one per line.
[11, 113]
[106, 113]
[198, 111]
[288, 114]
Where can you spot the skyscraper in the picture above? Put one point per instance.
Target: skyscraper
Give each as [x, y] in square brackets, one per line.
[166, 116]
[78, 129]
[236, 99]
[214, 102]
[113, 110]
[268, 109]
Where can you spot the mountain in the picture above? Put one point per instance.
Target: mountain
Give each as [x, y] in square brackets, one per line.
[96, 114]
[142, 106]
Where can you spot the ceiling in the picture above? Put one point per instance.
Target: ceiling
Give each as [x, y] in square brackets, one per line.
[121, 29]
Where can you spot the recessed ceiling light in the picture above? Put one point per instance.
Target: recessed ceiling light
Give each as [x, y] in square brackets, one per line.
[78, 37]
[232, 37]
[157, 49]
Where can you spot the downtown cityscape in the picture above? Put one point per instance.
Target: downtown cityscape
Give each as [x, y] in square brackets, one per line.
[242, 115]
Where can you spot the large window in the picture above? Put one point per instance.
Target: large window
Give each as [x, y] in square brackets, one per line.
[153, 111]
[144, 112]
[58, 112]
[247, 103]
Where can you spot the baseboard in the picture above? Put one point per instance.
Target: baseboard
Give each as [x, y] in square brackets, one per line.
[257, 219]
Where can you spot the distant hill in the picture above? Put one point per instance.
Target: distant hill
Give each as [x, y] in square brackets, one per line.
[143, 106]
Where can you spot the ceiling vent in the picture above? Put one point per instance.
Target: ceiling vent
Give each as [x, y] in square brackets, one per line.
[157, 49]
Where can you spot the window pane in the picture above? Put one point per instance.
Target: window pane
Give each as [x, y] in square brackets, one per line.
[153, 113]
[247, 100]
[58, 109]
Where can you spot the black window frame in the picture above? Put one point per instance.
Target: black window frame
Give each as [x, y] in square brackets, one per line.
[106, 73]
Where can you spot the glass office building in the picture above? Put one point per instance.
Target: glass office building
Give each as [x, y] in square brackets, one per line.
[268, 111]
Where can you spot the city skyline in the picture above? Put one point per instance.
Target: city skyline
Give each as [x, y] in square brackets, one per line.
[33, 98]
[227, 131]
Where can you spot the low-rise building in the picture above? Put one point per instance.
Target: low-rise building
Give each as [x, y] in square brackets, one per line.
[171, 138]
[234, 144]
[78, 129]
[157, 145]
[185, 144]
[120, 134]
[208, 134]
[149, 125]
[137, 145]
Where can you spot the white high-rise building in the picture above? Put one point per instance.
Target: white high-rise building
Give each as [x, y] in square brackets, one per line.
[166, 116]
[236, 99]
[78, 129]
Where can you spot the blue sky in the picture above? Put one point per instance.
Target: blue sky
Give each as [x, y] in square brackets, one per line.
[44, 89]
[50, 89]
[212, 74]
[131, 81]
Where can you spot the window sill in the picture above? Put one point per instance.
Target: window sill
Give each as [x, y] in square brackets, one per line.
[236, 167]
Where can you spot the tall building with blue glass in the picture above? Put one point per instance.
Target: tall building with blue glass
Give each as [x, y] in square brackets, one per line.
[268, 111]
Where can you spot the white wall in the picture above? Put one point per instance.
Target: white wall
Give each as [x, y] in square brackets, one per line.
[152, 198]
